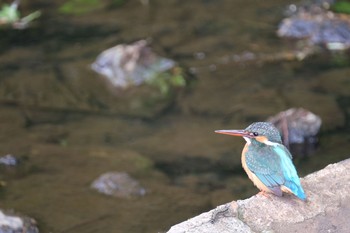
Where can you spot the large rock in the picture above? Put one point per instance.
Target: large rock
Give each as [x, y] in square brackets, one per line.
[118, 184]
[17, 224]
[316, 24]
[327, 209]
[129, 65]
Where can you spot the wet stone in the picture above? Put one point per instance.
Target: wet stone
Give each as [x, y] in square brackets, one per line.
[8, 160]
[130, 65]
[298, 126]
[319, 26]
[300, 123]
[17, 224]
[118, 184]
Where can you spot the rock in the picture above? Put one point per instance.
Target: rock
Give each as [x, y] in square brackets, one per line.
[327, 209]
[298, 126]
[8, 160]
[16, 224]
[129, 65]
[118, 184]
[319, 26]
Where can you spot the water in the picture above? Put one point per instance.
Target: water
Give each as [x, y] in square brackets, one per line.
[67, 127]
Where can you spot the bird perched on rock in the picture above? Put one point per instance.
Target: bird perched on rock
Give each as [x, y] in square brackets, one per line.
[267, 161]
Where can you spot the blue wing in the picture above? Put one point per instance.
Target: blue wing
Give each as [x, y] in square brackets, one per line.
[292, 180]
[274, 168]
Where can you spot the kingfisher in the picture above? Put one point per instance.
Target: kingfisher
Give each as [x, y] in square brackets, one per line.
[267, 162]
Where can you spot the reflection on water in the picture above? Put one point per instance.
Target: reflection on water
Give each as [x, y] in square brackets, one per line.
[67, 127]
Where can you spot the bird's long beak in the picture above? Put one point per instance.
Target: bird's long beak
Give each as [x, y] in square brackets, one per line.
[241, 133]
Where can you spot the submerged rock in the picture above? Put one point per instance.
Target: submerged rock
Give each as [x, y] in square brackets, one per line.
[297, 126]
[118, 184]
[316, 24]
[130, 65]
[16, 224]
[8, 160]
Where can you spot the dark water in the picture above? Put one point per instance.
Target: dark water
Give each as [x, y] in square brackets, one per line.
[67, 127]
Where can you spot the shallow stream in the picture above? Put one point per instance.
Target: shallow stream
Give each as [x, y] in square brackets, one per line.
[67, 126]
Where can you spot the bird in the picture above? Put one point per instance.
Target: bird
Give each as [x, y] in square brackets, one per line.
[267, 162]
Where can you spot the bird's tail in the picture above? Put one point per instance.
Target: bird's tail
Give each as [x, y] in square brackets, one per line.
[296, 189]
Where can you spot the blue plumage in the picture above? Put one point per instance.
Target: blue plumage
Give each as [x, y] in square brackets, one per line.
[290, 174]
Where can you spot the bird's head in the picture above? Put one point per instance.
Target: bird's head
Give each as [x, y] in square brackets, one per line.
[263, 132]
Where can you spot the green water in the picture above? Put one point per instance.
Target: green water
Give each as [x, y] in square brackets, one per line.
[68, 127]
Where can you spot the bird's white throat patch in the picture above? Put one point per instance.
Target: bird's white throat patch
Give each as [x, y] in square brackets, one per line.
[248, 140]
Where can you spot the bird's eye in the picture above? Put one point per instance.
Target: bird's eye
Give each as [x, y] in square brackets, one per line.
[255, 134]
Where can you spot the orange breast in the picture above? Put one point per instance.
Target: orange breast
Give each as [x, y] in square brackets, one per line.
[250, 174]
